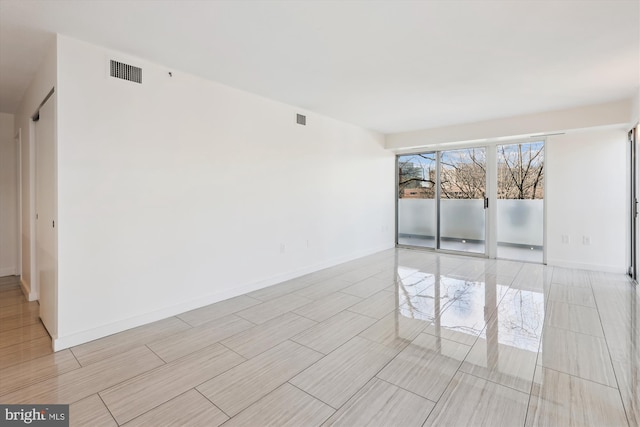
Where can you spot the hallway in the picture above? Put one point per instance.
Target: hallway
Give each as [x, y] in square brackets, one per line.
[22, 335]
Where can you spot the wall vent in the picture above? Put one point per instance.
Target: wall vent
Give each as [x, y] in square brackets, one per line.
[301, 120]
[124, 71]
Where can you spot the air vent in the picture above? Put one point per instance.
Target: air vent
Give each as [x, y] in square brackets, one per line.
[301, 120]
[126, 72]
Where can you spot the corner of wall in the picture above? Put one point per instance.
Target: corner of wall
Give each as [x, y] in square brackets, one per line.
[41, 84]
[26, 290]
[635, 109]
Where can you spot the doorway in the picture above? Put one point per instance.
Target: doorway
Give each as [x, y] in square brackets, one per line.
[462, 201]
[520, 201]
[46, 253]
[486, 201]
[633, 143]
[416, 202]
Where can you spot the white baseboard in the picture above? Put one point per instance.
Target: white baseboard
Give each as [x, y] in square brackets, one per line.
[584, 266]
[71, 340]
[26, 290]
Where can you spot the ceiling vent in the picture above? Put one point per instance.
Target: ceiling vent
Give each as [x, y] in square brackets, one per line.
[301, 120]
[124, 71]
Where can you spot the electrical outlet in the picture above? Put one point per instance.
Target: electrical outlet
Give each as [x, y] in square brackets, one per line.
[565, 239]
[586, 240]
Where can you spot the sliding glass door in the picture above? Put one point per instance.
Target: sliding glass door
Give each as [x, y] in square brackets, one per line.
[480, 200]
[520, 201]
[417, 200]
[463, 180]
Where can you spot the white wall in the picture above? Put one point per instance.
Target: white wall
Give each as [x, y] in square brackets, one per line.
[180, 192]
[41, 85]
[635, 109]
[8, 198]
[586, 194]
[612, 113]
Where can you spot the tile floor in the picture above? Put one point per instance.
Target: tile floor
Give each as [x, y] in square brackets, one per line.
[400, 338]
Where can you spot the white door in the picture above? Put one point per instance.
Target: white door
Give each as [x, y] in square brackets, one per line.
[46, 216]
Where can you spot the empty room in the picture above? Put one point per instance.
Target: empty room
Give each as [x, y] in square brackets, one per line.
[316, 213]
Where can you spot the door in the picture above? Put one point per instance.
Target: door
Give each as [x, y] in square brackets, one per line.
[520, 201]
[633, 265]
[417, 200]
[46, 215]
[462, 201]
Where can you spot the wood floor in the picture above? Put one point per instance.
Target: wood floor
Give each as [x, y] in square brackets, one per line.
[400, 338]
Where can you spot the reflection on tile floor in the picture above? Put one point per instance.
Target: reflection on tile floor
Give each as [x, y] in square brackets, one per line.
[401, 337]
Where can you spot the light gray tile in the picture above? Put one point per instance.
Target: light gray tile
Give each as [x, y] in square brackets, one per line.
[584, 356]
[425, 366]
[391, 274]
[572, 295]
[24, 374]
[188, 409]
[220, 309]
[503, 267]
[326, 273]
[507, 349]
[243, 385]
[471, 269]
[378, 305]
[503, 364]
[394, 330]
[576, 318]
[273, 308]
[358, 274]
[90, 411]
[338, 376]
[262, 337]
[142, 393]
[533, 277]
[464, 307]
[328, 306]
[323, 288]
[112, 345]
[628, 374]
[285, 406]
[83, 382]
[333, 332]
[518, 321]
[367, 287]
[558, 399]
[278, 290]
[379, 403]
[191, 340]
[471, 401]
[571, 276]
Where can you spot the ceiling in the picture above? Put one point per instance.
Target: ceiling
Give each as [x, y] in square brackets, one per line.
[390, 66]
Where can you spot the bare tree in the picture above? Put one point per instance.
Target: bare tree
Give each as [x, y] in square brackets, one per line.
[521, 171]
[463, 174]
[417, 172]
